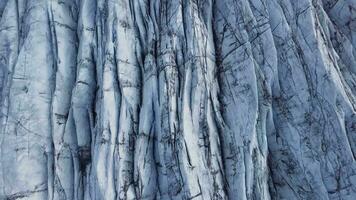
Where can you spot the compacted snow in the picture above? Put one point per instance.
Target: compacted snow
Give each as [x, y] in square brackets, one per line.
[177, 99]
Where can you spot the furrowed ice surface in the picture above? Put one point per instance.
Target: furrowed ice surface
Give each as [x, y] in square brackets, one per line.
[177, 99]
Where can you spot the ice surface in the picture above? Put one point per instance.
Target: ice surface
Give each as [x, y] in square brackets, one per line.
[177, 99]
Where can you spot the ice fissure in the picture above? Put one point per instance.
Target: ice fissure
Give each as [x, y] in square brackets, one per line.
[177, 99]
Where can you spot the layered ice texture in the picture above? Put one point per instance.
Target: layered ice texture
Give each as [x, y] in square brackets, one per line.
[177, 99]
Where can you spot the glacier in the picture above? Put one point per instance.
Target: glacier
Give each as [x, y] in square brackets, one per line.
[177, 99]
